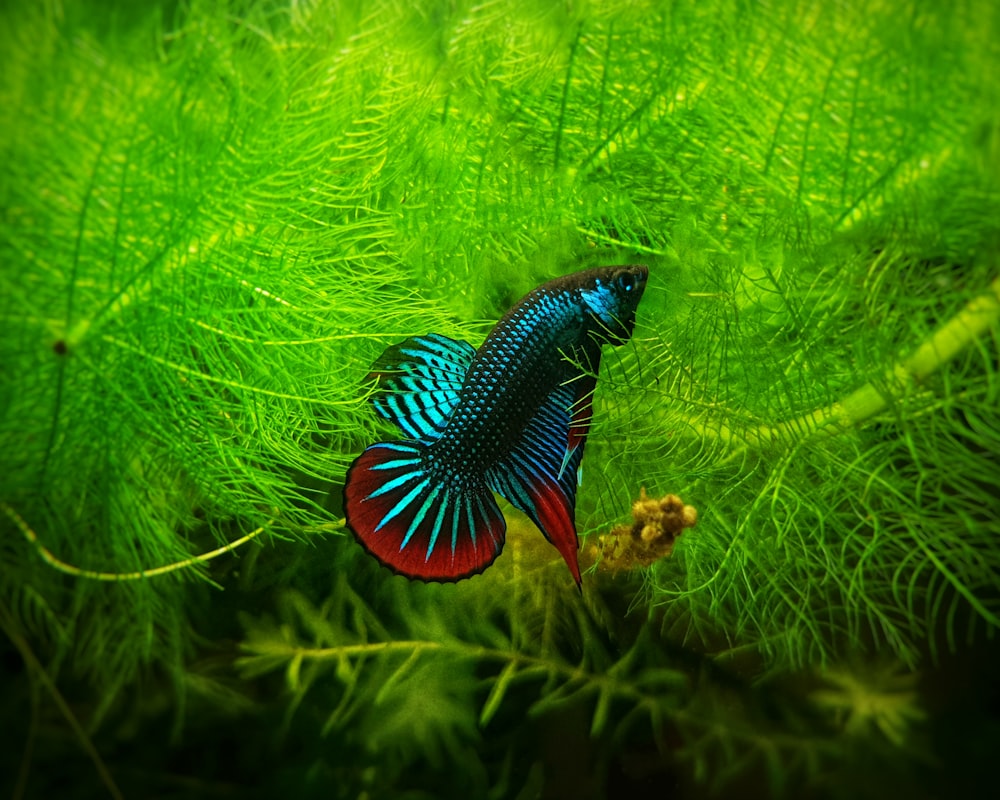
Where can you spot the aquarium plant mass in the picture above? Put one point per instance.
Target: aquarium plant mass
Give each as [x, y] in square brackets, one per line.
[216, 216]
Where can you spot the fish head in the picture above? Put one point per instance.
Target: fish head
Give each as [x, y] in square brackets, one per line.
[611, 296]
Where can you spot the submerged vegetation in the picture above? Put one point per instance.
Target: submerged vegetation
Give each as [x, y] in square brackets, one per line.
[215, 215]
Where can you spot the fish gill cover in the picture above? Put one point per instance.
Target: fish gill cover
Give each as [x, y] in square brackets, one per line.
[216, 215]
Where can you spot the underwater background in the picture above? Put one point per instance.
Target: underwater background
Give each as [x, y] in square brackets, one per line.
[215, 215]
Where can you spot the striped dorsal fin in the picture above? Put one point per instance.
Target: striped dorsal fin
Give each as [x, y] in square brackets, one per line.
[419, 382]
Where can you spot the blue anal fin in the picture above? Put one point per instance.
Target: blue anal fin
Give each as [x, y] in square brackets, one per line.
[539, 475]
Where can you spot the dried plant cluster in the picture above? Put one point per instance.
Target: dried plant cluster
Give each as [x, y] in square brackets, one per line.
[656, 524]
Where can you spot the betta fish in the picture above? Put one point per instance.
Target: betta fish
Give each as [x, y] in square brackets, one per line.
[511, 417]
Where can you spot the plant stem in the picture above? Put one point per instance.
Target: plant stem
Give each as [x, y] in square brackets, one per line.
[77, 572]
[950, 340]
[947, 342]
[34, 666]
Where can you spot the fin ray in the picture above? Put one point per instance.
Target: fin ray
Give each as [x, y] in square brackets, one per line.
[419, 382]
[539, 475]
[414, 522]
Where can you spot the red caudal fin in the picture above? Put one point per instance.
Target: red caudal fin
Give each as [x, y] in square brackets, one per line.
[417, 524]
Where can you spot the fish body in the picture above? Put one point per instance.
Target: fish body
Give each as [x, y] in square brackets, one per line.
[510, 418]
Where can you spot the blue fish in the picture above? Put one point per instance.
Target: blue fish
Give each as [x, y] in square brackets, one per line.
[511, 418]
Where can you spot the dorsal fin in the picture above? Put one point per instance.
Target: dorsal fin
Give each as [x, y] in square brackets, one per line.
[419, 381]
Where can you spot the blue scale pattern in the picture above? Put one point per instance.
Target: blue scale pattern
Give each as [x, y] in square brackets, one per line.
[510, 418]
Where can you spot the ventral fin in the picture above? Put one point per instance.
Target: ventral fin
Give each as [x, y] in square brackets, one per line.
[581, 411]
[418, 526]
[419, 381]
[582, 385]
[539, 475]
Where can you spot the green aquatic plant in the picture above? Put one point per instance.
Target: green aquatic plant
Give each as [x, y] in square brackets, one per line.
[215, 216]
[865, 523]
[435, 671]
[884, 698]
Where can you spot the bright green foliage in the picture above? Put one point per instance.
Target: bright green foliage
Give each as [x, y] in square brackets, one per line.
[214, 216]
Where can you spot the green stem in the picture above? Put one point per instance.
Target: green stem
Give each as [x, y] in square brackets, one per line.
[33, 665]
[49, 558]
[946, 343]
[600, 680]
[950, 340]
